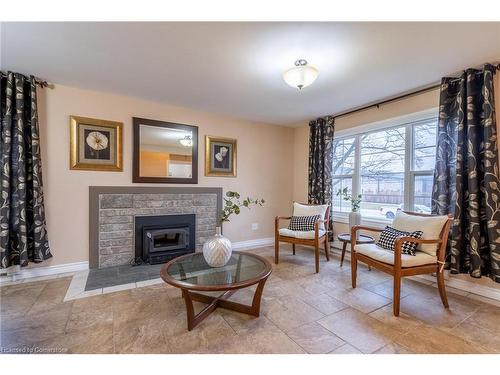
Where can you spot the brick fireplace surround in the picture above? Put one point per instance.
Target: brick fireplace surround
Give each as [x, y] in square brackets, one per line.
[112, 210]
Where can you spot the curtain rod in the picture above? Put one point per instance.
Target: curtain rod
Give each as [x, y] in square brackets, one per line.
[377, 104]
[39, 82]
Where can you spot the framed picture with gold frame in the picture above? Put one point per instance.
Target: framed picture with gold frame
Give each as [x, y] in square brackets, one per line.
[220, 157]
[95, 145]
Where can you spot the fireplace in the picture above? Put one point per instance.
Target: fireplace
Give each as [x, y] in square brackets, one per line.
[161, 238]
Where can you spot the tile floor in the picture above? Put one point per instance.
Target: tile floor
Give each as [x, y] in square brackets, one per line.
[302, 312]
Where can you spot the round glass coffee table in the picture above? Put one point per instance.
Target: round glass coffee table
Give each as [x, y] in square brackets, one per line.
[191, 273]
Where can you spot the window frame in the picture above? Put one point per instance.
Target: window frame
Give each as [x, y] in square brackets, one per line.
[407, 121]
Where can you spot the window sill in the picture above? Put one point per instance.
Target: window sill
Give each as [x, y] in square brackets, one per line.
[341, 217]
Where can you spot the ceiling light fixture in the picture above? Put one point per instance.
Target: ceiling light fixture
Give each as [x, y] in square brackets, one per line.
[186, 141]
[302, 75]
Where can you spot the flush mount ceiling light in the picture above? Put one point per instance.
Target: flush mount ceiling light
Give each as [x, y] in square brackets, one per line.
[186, 141]
[302, 75]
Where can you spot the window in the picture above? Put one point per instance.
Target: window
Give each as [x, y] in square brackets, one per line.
[391, 167]
[343, 168]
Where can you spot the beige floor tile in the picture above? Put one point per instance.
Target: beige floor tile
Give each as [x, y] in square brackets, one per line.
[324, 303]
[487, 317]
[358, 329]
[289, 312]
[486, 300]
[431, 340]
[118, 301]
[209, 333]
[386, 289]
[359, 298]
[312, 285]
[315, 339]
[402, 323]
[393, 349]
[51, 297]
[140, 336]
[88, 320]
[478, 335]
[346, 349]
[29, 329]
[242, 323]
[284, 288]
[19, 298]
[260, 341]
[366, 279]
[98, 340]
[319, 311]
[432, 312]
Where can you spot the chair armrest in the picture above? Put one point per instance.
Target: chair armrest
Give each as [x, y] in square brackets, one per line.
[355, 229]
[277, 222]
[399, 243]
[278, 218]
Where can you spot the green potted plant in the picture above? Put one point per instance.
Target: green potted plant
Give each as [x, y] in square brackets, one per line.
[217, 250]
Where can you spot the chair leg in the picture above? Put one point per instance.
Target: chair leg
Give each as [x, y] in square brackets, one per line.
[354, 268]
[397, 295]
[316, 255]
[276, 251]
[327, 249]
[344, 246]
[442, 290]
[293, 248]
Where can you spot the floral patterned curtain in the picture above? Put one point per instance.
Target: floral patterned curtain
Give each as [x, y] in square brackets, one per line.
[23, 234]
[466, 179]
[321, 162]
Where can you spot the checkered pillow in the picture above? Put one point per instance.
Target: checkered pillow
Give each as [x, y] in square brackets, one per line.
[388, 238]
[303, 223]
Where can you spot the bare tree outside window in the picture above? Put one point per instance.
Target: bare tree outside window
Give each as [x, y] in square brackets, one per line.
[383, 170]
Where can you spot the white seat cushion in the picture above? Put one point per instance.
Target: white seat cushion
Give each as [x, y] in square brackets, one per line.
[387, 256]
[310, 210]
[299, 234]
[430, 226]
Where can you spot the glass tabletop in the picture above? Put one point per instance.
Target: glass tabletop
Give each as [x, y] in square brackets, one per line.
[193, 270]
[362, 238]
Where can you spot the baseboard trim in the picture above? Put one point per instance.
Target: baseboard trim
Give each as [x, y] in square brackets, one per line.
[480, 290]
[252, 244]
[26, 273]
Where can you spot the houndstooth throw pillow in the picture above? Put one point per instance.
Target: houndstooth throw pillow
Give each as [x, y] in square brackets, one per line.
[303, 223]
[388, 238]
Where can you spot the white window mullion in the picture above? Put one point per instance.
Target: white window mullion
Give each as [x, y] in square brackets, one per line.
[356, 185]
[408, 184]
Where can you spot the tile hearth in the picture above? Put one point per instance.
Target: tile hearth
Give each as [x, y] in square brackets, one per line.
[119, 275]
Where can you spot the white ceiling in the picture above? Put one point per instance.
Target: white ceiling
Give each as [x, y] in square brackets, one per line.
[236, 68]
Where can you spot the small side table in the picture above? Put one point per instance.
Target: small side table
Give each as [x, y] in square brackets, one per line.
[345, 238]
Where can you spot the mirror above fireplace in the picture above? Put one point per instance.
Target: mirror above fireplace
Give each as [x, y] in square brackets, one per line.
[165, 152]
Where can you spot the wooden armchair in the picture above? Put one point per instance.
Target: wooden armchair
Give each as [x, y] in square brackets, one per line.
[304, 238]
[400, 265]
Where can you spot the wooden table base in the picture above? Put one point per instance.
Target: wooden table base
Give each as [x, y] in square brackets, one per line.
[221, 301]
